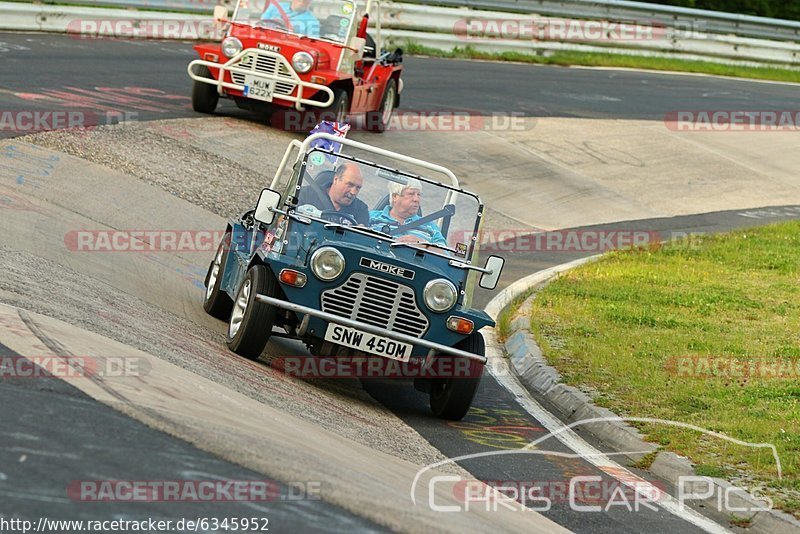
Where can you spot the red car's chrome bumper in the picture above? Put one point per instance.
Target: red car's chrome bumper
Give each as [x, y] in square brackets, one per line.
[264, 65]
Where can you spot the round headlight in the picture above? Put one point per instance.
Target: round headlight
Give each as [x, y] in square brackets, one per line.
[327, 263]
[440, 295]
[231, 46]
[302, 62]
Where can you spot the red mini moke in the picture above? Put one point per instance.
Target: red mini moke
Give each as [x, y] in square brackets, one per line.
[311, 59]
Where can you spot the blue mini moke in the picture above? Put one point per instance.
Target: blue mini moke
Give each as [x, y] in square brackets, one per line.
[360, 251]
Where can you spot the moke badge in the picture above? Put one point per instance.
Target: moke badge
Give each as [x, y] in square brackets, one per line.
[387, 268]
[269, 47]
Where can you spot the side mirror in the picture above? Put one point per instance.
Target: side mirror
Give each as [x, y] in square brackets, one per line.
[267, 204]
[495, 266]
[220, 13]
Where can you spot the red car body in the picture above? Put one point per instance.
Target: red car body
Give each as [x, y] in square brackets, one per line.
[260, 74]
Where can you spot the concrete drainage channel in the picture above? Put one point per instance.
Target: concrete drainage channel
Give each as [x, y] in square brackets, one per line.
[576, 410]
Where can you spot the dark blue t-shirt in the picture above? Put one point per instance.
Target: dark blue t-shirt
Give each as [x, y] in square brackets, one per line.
[357, 209]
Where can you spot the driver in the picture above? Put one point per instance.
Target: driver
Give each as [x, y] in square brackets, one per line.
[403, 208]
[303, 21]
[339, 195]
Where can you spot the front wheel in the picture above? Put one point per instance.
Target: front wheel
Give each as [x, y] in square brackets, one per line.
[204, 95]
[216, 302]
[251, 321]
[339, 108]
[451, 398]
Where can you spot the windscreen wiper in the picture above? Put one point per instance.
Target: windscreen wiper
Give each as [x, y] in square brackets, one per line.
[423, 244]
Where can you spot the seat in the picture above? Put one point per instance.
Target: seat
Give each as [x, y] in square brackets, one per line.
[315, 187]
[331, 28]
[324, 178]
[370, 51]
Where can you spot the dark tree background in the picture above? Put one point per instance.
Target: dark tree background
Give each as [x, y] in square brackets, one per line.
[779, 9]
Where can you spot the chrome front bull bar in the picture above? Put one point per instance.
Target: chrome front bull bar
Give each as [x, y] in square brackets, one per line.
[370, 329]
[232, 65]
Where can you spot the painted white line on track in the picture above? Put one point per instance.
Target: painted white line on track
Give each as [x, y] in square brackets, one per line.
[586, 451]
[501, 371]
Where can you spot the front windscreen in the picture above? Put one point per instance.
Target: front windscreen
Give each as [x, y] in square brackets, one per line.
[398, 205]
[326, 19]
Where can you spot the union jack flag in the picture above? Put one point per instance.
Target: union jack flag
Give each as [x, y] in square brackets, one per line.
[339, 129]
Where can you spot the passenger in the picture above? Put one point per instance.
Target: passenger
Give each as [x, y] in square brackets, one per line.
[303, 21]
[403, 208]
[339, 195]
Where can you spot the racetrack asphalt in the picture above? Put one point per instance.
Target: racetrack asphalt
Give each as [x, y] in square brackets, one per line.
[55, 437]
[80, 74]
[49, 72]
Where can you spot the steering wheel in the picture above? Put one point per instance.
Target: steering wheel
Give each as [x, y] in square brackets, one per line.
[287, 24]
[271, 23]
[329, 214]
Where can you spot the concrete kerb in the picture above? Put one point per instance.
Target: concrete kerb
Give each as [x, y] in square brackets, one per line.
[570, 404]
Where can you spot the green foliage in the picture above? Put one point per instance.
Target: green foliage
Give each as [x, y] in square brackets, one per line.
[680, 332]
[594, 59]
[780, 9]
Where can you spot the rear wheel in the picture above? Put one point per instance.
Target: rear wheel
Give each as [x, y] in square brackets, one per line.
[204, 95]
[379, 121]
[251, 321]
[216, 302]
[451, 398]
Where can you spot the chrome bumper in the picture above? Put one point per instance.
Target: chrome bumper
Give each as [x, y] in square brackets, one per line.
[432, 347]
[232, 65]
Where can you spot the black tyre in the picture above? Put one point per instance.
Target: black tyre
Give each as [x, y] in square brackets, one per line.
[204, 95]
[378, 121]
[339, 108]
[451, 398]
[251, 321]
[217, 303]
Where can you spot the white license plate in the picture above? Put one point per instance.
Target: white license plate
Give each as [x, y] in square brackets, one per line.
[258, 88]
[356, 339]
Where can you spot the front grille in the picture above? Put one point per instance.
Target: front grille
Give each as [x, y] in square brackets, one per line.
[260, 63]
[377, 302]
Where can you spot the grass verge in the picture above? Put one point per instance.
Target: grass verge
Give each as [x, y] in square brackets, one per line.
[508, 314]
[592, 59]
[706, 333]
